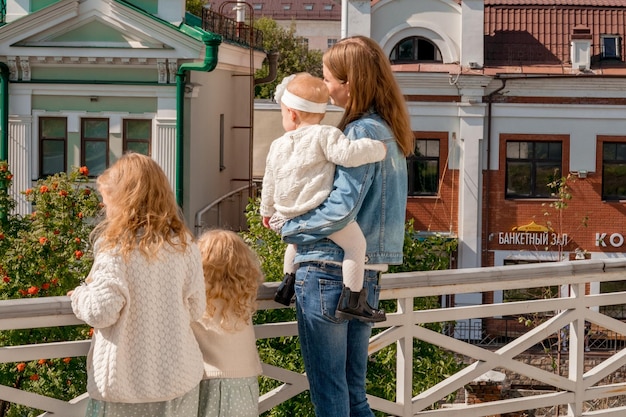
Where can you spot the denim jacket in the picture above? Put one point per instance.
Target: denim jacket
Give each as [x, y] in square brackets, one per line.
[373, 194]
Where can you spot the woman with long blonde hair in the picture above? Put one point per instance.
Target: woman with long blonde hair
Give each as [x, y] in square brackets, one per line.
[143, 292]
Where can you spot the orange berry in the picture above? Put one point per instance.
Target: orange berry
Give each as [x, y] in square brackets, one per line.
[34, 377]
[33, 290]
[43, 189]
[84, 170]
[43, 240]
[20, 367]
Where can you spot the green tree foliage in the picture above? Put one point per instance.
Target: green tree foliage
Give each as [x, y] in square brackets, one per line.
[195, 6]
[294, 55]
[43, 254]
[432, 364]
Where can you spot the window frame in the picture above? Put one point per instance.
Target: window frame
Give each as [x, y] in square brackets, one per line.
[416, 56]
[534, 190]
[602, 141]
[617, 46]
[41, 140]
[84, 140]
[126, 140]
[412, 160]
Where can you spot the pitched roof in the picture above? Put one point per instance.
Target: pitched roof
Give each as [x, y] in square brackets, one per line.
[535, 32]
[285, 9]
[578, 3]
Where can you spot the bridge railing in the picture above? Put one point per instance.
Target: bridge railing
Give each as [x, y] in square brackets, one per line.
[571, 392]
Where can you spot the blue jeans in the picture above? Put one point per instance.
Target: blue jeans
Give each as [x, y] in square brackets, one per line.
[334, 350]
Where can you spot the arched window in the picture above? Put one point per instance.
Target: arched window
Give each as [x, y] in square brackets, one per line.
[415, 49]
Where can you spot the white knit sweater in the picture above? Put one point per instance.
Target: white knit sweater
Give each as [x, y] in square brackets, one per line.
[143, 348]
[300, 167]
[227, 353]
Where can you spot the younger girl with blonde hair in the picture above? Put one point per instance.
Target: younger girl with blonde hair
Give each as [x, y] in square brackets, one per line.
[142, 293]
[232, 275]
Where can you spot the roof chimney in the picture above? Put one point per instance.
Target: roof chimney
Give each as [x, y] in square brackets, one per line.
[581, 48]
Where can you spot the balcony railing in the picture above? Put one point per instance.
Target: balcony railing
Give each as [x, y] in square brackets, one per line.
[231, 30]
[572, 393]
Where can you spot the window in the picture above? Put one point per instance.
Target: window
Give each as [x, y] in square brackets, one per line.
[304, 42]
[137, 135]
[611, 46]
[328, 7]
[415, 49]
[531, 166]
[331, 42]
[52, 145]
[614, 171]
[257, 6]
[308, 6]
[95, 145]
[423, 168]
[286, 6]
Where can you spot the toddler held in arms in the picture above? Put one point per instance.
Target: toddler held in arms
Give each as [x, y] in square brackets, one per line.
[299, 174]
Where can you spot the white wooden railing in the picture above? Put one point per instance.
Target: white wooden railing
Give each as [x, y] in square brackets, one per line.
[401, 327]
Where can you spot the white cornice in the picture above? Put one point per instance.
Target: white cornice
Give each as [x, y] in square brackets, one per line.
[154, 38]
[36, 22]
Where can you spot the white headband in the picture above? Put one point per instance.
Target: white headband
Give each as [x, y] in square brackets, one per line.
[298, 103]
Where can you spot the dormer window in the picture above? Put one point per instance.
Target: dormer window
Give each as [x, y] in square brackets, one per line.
[286, 6]
[415, 49]
[257, 6]
[308, 6]
[611, 46]
[328, 7]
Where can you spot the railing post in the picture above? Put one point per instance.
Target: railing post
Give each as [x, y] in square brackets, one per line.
[404, 360]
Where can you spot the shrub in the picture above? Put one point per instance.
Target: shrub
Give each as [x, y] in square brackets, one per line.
[43, 254]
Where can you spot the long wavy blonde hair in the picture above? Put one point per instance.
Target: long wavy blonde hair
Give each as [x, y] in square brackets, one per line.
[141, 211]
[232, 275]
[361, 62]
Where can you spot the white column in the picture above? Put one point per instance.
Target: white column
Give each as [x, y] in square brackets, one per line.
[472, 32]
[20, 128]
[164, 148]
[470, 184]
[356, 18]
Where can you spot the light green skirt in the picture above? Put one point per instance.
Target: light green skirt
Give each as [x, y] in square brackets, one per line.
[229, 397]
[185, 406]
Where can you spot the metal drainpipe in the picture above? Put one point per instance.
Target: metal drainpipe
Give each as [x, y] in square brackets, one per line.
[4, 111]
[4, 121]
[485, 228]
[211, 43]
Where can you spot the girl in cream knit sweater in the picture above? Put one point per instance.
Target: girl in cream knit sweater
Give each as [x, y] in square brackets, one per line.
[142, 293]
